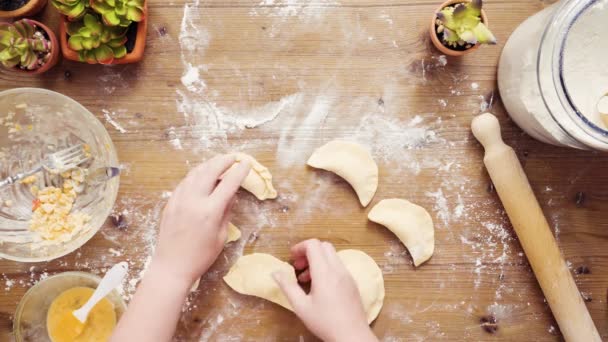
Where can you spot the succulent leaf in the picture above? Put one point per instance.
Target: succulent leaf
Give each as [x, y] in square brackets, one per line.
[104, 54]
[73, 9]
[22, 45]
[96, 42]
[462, 24]
[119, 12]
[450, 36]
[483, 34]
[468, 36]
[92, 23]
[120, 51]
[75, 43]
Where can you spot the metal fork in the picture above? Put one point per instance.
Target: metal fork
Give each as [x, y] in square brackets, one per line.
[57, 162]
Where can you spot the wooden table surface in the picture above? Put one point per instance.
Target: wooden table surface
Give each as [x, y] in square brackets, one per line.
[356, 69]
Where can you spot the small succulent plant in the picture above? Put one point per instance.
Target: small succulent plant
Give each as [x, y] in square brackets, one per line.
[460, 26]
[96, 42]
[119, 12]
[23, 45]
[73, 9]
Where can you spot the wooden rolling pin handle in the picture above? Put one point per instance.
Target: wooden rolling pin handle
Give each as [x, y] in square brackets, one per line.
[534, 233]
[486, 130]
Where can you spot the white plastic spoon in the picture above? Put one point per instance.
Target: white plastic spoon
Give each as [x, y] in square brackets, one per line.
[109, 282]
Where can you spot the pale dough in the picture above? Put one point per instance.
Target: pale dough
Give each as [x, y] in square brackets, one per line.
[411, 223]
[234, 233]
[252, 275]
[352, 162]
[259, 179]
[369, 279]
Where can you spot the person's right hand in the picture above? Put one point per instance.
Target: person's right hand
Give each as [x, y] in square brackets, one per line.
[332, 310]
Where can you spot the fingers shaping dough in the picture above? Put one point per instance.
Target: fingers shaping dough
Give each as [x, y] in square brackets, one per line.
[234, 233]
[352, 162]
[251, 275]
[368, 277]
[411, 223]
[259, 179]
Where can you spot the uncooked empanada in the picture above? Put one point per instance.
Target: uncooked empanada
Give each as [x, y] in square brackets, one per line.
[252, 275]
[411, 223]
[369, 279]
[352, 162]
[259, 179]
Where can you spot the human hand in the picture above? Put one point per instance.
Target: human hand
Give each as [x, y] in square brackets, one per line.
[332, 310]
[194, 223]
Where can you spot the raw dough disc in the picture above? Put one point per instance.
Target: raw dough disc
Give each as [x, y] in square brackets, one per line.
[252, 275]
[411, 223]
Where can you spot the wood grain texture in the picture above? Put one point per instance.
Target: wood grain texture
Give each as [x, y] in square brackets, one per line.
[346, 59]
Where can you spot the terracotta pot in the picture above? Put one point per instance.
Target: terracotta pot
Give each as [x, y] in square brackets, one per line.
[27, 10]
[132, 57]
[54, 52]
[437, 42]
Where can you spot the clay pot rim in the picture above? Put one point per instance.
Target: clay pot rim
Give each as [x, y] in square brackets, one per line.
[437, 42]
[55, 47]
[134, 56]
[24, 10]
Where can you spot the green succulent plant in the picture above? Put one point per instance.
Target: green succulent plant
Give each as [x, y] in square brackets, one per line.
[460, 25]
[119, 12]
[96, 42]
[73, 9]
[22, 45]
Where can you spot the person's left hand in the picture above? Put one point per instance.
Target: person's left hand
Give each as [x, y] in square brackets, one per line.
[194, 223]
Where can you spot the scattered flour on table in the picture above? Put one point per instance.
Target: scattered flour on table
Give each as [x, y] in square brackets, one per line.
[218, 121]
[293, 144]
[192, 80]
[303, 9]
[173, 139]
[112, 79]
[212, 122]
[390, 138]
[110, 116]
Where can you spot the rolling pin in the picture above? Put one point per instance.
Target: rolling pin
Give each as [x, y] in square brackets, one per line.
[534, 233]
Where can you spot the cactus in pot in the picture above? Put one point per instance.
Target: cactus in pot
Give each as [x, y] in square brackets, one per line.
[460, 26]
[119, 12]
[72, 9]
[23, 45]
[95, 42]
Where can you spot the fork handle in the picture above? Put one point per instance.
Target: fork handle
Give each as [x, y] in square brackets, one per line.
[13, 179]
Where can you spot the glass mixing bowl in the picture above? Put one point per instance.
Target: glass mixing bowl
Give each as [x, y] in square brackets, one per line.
[30, 318]
[44, 122]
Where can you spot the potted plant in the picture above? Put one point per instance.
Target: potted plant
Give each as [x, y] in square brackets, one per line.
[28, 46]
[103, 31]
[20, 8]
[459, 27]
